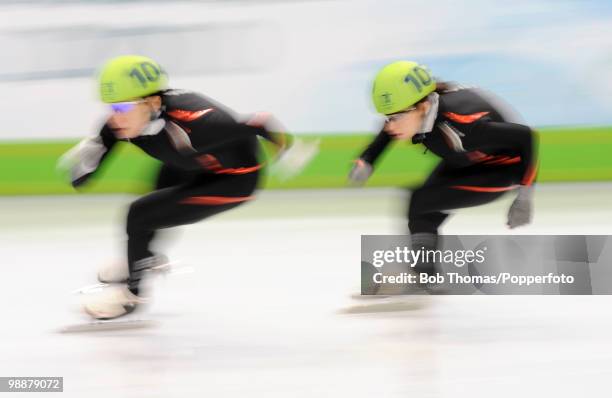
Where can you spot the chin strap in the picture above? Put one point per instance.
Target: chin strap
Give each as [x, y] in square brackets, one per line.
[432, 114]
[430, 118]
[154, 127]
[154, 115]
[418, 138]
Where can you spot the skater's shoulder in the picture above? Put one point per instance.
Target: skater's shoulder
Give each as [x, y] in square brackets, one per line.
[188, 106]
[185, 99]
[465, 105]
[454, 94]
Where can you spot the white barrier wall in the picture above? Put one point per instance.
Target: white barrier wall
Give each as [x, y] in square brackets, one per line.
[310, 62]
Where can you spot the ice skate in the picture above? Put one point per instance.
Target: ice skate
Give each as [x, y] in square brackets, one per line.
[371, 290]
[116, 272]
[109, 325]
[390, 298]
[387, 297]
[396, 303]
[111, 302]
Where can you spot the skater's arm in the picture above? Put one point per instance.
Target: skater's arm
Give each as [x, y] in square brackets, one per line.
[219, 129]
[272, 129]
[83, 160]
[522, 139]
[363, 167]
[496, 135]
[291, 154]
[376, 147]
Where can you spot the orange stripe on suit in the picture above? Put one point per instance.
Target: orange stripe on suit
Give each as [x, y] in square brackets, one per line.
[464, 119]
[239, 170]
[484, 189]
[188, 116]
[530, 175]
[211, 163]
[503, 160]
[215, 200]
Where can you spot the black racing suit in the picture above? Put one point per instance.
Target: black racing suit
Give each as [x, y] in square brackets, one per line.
[209, 165]
[483, 156]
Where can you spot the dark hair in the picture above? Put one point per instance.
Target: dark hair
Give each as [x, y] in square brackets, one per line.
[156, 94]
[442, 87]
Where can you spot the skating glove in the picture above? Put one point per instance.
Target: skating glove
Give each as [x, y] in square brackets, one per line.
[293, 160]
[520, 210]
[82, 160]
[360, 172]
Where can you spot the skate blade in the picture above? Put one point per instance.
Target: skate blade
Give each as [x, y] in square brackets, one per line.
[103, 326]
[94, 288]
[174, 270]
[388, 306]
[364, 297]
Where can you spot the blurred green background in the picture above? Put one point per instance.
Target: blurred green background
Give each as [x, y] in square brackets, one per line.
[566, 154]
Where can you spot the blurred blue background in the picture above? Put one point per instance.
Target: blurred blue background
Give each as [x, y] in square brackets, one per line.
[310, 62]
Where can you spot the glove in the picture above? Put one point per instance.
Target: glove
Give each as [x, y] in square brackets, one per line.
[292, 160]
[83, 159]
[360, 172]
[520, 210]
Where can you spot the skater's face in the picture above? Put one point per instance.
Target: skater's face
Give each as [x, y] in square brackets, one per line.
[404, 125]
[128, 119]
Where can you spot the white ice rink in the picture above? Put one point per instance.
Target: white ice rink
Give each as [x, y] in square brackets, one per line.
[260, 316]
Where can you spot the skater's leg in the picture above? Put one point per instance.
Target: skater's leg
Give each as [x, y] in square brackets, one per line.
[448, 189]
[155, 211]
[167, 177]
[171, 207]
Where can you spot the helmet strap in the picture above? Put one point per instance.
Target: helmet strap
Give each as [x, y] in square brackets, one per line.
[155, 124]
[431, 115]
[154, 115]
[154, 127]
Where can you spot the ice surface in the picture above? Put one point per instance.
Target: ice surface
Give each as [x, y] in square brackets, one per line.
[260, 315]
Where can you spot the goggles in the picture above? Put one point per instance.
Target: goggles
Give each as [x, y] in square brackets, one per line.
[396, 116]
[124, 107]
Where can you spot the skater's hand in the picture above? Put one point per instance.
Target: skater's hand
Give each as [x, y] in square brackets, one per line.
[360, 172]
[81, 160]
[291, 161]
[521, 209]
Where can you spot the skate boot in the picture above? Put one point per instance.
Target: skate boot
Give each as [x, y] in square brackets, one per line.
[391, 297]
[111, 302]
[114, 273]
